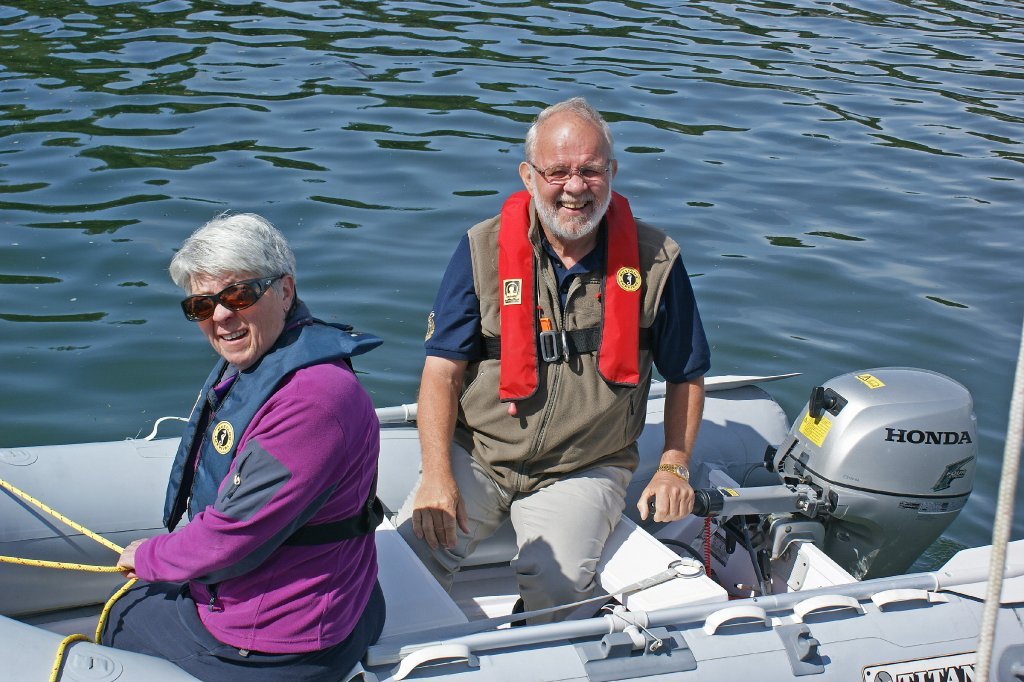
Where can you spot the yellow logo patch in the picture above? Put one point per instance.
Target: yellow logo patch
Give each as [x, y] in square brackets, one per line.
[628, 279]
[223, 437]
[512, 290]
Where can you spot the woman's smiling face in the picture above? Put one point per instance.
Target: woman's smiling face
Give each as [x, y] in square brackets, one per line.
[242, 337]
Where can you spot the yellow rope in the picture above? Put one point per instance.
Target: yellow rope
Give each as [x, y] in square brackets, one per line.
[60, 653]
[106, 608]
[70, 639]
[100, 624]
[41, 563]
[60, 517]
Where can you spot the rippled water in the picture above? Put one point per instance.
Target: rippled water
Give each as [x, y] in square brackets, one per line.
[845, 180]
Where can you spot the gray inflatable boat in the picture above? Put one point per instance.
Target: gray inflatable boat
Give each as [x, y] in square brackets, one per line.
[793, 564]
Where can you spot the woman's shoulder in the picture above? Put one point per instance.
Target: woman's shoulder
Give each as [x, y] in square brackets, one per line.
[328, 384]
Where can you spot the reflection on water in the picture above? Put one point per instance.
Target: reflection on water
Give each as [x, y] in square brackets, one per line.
[845, 181]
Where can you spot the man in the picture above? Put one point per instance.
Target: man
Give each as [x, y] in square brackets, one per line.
[539, 355]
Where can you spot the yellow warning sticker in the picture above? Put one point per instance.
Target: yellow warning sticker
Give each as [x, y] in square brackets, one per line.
[870, 380]
[730, 492]
[816, 429]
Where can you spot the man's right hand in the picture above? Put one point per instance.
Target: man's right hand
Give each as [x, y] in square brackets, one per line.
[438, 505]
[436, 510]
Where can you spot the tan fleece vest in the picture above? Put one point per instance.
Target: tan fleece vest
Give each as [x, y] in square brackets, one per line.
[575, 420]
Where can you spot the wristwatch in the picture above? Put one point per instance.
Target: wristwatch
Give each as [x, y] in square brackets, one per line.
[677, 469]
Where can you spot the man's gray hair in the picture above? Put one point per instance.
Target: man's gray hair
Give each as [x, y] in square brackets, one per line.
[577, 106]
[242, 243]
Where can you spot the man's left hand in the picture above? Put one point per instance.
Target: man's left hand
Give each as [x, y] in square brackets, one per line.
[673, 498]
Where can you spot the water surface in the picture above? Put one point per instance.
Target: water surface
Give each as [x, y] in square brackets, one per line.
[844, 178]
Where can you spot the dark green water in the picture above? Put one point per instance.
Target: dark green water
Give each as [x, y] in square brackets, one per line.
[845, 180]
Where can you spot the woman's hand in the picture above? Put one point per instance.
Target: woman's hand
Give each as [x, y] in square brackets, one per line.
[126, 562]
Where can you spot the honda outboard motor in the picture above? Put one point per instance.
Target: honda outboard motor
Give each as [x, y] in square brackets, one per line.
[892, 452]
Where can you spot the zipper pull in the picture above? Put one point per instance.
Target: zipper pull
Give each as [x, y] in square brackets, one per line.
[212, 605]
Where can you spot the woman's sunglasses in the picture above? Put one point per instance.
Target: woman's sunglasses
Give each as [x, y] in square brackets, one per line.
[235, 297]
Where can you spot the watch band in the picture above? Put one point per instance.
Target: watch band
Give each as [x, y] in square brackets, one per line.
[677, 469]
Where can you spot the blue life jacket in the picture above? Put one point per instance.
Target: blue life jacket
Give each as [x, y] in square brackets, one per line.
[218, 421]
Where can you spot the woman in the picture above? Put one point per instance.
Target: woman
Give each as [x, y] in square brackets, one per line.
[277, 473]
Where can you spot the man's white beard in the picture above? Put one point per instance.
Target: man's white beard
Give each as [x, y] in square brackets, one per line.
[571, 228]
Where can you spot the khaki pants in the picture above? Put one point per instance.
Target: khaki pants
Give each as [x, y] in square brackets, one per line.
[560, 530]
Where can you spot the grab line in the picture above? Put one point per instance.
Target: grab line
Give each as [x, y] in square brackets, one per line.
[70, 639]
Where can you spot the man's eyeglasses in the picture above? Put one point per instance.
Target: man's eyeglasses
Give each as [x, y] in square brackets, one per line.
[559, 175]
[235, 297]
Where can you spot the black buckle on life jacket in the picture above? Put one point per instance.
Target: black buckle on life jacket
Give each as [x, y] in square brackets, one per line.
[554, 346]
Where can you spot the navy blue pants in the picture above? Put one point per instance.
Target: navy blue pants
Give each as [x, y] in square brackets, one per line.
[160, 619]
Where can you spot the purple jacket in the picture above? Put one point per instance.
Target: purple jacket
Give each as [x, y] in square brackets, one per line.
[308, 456]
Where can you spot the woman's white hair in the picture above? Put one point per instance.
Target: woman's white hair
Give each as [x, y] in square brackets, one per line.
[577, 106]
[241, 243]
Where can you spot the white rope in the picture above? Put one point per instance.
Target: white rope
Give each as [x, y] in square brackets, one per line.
[1003, 519]
[156, 425]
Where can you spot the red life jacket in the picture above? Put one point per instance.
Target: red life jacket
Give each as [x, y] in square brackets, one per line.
[619, 352]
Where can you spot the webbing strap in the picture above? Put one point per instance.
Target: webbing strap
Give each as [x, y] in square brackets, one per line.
[578, 342]
[363, 523]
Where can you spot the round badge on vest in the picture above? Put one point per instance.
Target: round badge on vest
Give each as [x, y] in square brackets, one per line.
[223, 437]
[628, 279]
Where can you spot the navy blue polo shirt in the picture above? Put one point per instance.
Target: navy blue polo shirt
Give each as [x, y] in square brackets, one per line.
[678, 343]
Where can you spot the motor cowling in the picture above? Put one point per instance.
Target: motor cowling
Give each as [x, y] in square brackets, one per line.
[893, 451]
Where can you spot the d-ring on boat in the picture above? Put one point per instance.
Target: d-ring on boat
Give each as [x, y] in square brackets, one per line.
[793, 565]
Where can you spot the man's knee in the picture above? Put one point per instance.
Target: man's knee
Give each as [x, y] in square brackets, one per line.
[539, 570]
[441, 563]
